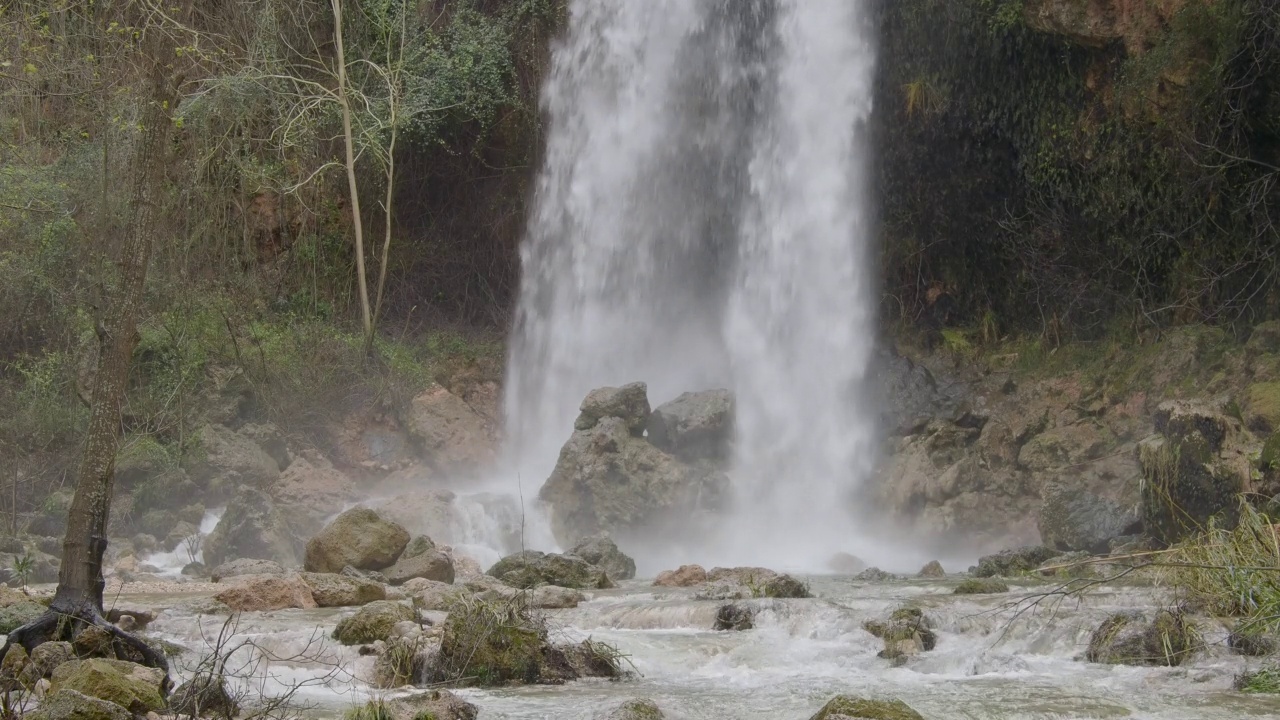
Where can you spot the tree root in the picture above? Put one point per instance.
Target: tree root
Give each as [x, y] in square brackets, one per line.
[69, 624]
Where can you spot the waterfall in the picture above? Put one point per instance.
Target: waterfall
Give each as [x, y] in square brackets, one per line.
[700, 222]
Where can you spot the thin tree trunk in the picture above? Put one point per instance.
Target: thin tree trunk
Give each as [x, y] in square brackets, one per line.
[393, 95]
[352, 185]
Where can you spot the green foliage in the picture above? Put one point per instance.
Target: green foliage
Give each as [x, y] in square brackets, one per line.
[1234, 572]
[372, 710]
[1266, 680]
[22, 569]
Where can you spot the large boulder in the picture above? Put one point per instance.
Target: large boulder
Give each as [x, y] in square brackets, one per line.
[683, 576]
[531, 568]
[453, 438]
[372, 622]
[68, 704]
[608, 480]
[134, 687]
[252, 593]
[309, 489]
[629, 403]
[245, 566]
[695, 426]
[431, 565]
[422, 512]
[229, 461]
[1131, 638]
[335, 590]
[1194, 469]
[1073, 518]
[358, 537]
[251, 528]
[907, 632]
[1014, 561]
[848, 706]
[602, 552]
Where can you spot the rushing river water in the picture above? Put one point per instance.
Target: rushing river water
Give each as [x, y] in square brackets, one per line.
[801, 653]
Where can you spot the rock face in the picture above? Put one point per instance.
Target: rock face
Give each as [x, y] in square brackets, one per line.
[602, 552]
[695, 426]
[372, 622]
[683, 576]
[309, 490]
[453, 438]
[330, 590]
[266, 592]
[432, 565]
[609, 480]
[848, 706]
[133, 687]
[1072, 518]
[251, 528]
[629, 403]
[1194, 470]
[530, 569]
[358, 537]
[1132, 639]
[231, 461]
[1097, 23]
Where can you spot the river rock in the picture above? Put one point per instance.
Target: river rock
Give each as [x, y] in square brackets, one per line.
[642, 709]
[430, 513]
[129, 685]
[1194, 469]
[245, 566]
[906, 632]
[849, 706]
[251, 528]
[1132, 638]
[203, 697]
[454, 438]
[735, 616]
[358, 537]
[252, 593]
[66, 704]
[1071, 518]
[532, 568]
[843, 563]
[335, 590]
[372, 622]
[1253, 645]
[433, 595]
[1013, 561]
[48, 656]
[980, 586]
[695, 426]
[435, 705]
[629, 403]
[602, 552]
[932, 569]
[547, 597]
[431, 564]
[683, 576]
[608, 480]
[875, 574]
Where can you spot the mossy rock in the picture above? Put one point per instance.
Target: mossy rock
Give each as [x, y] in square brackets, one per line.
[856, 707]
[1270, 457]
[372, 623]
[126, 684]
[1128, 638]
[637, 710]
[1263, 406]
[981, 586]
[530, 569]
[71, 705]
[1014, 561]
[492, 647]
[15, 616]
[785, 586]
[1185, 486]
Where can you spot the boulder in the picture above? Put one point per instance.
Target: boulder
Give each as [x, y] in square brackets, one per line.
[230, 461]
[48, 656]
[875, 574]
[372, 623]
[334, 590]
[309, 489]
[251, 528]
[906, 632]
[371, 575]
[629, 403]
[67, 704]
[1066, 446]
[1072, 518]
[19, 613]
[642, 709]
[980, 586]
[202, 697]
[695, 426]
[547, 597]
[932, 569]
[1253, 645]
[453, 438]
[435, 596]
[683, 576]
[252, 593]
[1192, 469]
[843, 563]
[358, 537]
[531, 568]
[602, 552]
[1132, 638]
[425, 512]
[735, 616]
[1013, 561]
[432, 565]
[419, 545]
[1262, 406]
[433, 705]
[848, 706]
[245, 566]
[134, 687]
[608, 480]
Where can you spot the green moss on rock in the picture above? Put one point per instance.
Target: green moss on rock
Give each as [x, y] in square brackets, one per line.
[1128, 638]
[372, 622]
[856, 707]
[981, 586]
[126, 684]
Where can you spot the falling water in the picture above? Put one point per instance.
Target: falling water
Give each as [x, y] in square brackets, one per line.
[700, 223]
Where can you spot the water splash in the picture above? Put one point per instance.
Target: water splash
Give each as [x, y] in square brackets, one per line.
[700, 223]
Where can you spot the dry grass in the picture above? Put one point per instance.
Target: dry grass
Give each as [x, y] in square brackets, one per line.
[1234, 572]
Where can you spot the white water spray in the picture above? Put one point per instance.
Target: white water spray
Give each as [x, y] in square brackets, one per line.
[700, 223]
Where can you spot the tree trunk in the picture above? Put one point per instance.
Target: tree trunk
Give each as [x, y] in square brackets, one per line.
[353, 187]
[80, 580]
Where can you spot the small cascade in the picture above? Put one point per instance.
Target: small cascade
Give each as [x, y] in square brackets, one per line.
[170, 563]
